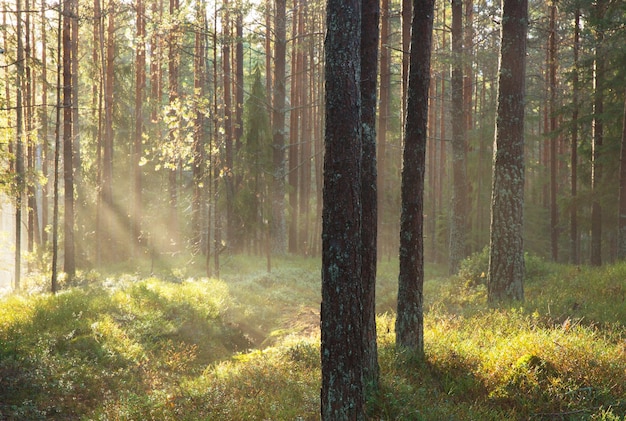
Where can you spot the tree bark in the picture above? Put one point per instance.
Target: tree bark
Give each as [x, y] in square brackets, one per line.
[552, 63]
[410, 313]
[621, 221]
[342, 395]
[459, 147]
[506, 259]
[69, 263]
[19, 146]
[370, 15]
[598, 139]
[140, 85]
[278, 227]
[383, 118]
[574, 236]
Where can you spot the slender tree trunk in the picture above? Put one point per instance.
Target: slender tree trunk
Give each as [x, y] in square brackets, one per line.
[57, 147]
[199, 159]
[228, 124]
[68, 174]
[459, 151]
[28, 101]
[305, 123]
[574, 236]
[294, 132]
[140, 86]
[598, 139]
[383, 118]
[621, 220]
[506, 259]
[410, 314]
[19, 146]
[406, 13]
[237, 240]
[552, 62]
[174, 131]
[44, 126]
[370, 16]
[278, 228]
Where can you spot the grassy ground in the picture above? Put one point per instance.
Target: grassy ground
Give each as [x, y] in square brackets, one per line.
[176, 346]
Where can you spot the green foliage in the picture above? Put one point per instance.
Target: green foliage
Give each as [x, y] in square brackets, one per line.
[247, 347]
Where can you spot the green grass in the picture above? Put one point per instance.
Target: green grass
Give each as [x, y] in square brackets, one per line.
[164, 343]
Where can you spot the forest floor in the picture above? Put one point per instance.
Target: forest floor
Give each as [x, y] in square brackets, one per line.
[174, 345]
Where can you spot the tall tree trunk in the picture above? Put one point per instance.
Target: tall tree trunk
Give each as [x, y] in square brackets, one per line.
[406, 13]
[199, 156]
[238, 129]
[383, 118]
[57, 147]
[69, 263]
[506, 258]
[19, 146]
[598, 139]
[294, 133]
[136, 213]
[410, 314]
[574, 236]
[305, 123]
[552, 62]
[342, 396]
[370, 16]
[621, 220]
[28, 101]
[44, 126]
[459, 147]
[228, 124]
[278, 228]
[174, 131]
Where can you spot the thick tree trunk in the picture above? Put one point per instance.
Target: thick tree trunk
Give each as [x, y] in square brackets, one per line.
[342, 395]
[506, 259]
[410, 314]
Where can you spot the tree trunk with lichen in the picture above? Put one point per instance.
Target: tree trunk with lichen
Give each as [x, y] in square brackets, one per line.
[410, 313]
[342, 395]
[506, 259]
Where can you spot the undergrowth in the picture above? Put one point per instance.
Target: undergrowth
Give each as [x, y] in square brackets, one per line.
[171, 345]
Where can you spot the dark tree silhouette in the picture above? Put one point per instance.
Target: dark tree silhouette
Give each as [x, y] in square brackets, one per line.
[410, 317]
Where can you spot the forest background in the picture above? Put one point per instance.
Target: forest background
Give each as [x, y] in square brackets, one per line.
[198, 127]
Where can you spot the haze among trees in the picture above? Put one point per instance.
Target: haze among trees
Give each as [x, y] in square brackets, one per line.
[352, 132]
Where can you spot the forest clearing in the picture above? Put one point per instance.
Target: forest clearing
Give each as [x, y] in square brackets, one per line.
[175, 346]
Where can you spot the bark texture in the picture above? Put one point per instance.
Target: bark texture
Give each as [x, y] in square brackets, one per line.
[410, 314]
[342, 395]
[506, 259]
[369, 54]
